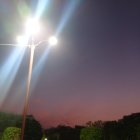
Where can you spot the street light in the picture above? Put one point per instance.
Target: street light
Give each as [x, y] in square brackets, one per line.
[31, 28]
[52, 40]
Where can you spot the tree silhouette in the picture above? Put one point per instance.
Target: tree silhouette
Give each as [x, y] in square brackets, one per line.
[33, 129]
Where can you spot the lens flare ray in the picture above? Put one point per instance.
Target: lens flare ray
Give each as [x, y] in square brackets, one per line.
[69, 10]
[41, 6]
[8, 72]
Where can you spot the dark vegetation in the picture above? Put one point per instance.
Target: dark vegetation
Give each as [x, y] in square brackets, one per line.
[127, 128]
[63, 133]
[33, 129]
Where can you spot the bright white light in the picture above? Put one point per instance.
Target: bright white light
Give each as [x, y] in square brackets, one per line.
[53, 41]
[45, 139]
[21, 40]
[32, 26]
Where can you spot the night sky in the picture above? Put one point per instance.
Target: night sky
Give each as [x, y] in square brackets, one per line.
[92, 74]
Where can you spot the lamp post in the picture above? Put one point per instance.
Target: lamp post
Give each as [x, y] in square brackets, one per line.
[25, 108]
[32, 27]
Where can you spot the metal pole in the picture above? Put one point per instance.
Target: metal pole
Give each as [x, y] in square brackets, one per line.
[27, 90]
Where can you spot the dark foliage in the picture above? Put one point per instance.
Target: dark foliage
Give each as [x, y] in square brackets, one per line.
[127, 128]
[8, 120]
[33, 129]
[64, 133]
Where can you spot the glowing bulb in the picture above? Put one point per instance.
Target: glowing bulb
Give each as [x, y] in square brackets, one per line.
[32, 26]
[53, 41]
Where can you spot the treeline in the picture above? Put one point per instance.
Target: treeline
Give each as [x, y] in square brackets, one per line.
[127, 128]
[63, 132]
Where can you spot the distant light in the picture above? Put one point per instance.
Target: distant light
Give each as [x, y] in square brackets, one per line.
[45, 139]
[53, 41]
[32, 26]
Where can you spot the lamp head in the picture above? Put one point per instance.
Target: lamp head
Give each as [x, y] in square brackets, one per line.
[53, 41]
[32, 26]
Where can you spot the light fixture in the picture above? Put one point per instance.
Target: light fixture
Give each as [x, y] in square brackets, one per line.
[32, 26]
[53, 41]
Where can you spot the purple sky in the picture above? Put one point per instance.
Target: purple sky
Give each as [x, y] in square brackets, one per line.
[93, 73]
